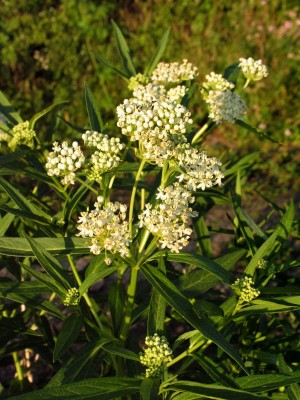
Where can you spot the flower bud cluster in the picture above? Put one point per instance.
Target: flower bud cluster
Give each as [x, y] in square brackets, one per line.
[253, 70]
[171, 218]
[156, 355]
[198, 170]
[174, 72]
[107, 227]
[136, 118]
[105, 157]
[72, 297]
[22, 134]
[225, 106]
[244, 287]
[215, 82]
[64, 161]
[138, 79]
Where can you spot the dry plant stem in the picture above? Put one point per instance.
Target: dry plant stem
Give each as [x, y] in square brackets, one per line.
[85, 295]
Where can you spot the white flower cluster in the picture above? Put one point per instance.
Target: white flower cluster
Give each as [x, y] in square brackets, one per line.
[225, 106]
[174, 72]
[216, 82]
[107, 227]
[253, 70]
[245, 290]
[156, 355]
[150, 92]
[198, 170]
[170, 220]
[105, 157]
[138, 118]
[176, 93]
[72, 297]
[21, 134]
[64, 161]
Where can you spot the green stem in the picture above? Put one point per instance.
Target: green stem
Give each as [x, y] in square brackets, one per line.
[133, 193]
[130, 302]
[85, 295]
[200, 132]
[87, 185]
[247, 83]
[19, 370]
[144, 239]
[189, 351]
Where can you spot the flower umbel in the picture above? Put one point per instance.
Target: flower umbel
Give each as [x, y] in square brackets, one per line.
[174, 72]
[245, 289]
[72, 297]
[156, 355]
[22, 134]
[107, 227]
[226, 105]
[253, 70]
[64, 161]
[215, 82]
[170, 219]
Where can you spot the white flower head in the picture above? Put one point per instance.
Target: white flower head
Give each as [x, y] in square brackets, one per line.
[215, 82]
[253, 70]
[171, 218]
[107, 227]
[174, 72]
[225, 106]
[64, 161]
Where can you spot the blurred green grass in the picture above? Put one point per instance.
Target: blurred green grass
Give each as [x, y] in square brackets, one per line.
[47, 54]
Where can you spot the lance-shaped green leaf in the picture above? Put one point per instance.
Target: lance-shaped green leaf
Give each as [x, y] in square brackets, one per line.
[36, 117]
[158, 53]
[92, 389]
[258, 132]
[182, 305]
[71, 204]
[150, 389]
[264, 382]
[108, 65]
[117, 300]
[231, 73]
[276, 305]
[199, 261]
[21, 200]
[52, 285]
[10, 114]
[5, 223]
[95, 277]
[282, 230]
[157, 307]
[293, 390]
[50, 264]
[68, 334]
[81, 365]
[93, 111]
[24, 214]
[19, 247]
[119, 351]
[123, 51]
[26, 287]
[209, 391]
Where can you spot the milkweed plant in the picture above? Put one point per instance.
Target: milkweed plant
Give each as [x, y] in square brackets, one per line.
[109, 280]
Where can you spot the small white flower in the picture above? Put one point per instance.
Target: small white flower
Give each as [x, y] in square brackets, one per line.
[253, 70]
[174, 72]
[225, 106]
[156, 355]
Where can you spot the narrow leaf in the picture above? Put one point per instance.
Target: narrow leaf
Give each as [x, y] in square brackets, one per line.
[92, 389]
[5, 223]
[158, 53]
[8, 111]
[181, 304]
[108, 65]
[95, 119]
[123, 51]
[69, 333]
[19, 247]
[281, 231]
[150, 389]
[39, 115]
[50, 264]
[258, 132]
[95, 277]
